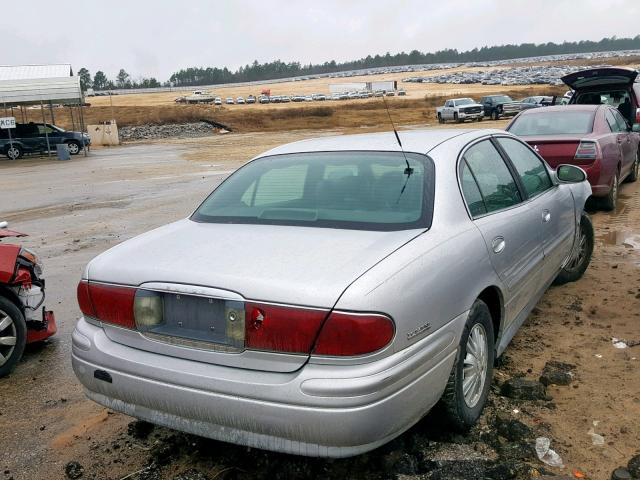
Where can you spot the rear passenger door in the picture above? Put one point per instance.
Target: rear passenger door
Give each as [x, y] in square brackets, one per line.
[627, 147]
[553, 203]
[511, 230]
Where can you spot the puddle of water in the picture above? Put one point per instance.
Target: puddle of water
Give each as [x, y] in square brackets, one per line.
[616, 237]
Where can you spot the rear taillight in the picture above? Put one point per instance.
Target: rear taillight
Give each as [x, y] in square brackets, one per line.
[586, 151]
[281, 329]
[349, 334]
[107, 303]
[637, 115]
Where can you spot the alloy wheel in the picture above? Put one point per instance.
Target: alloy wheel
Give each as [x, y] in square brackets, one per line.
[474, 373]
[8, 337]
[73, 148]
[13, 153]
[580, 253]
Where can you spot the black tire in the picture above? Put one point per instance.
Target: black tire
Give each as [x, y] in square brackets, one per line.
[74, 147]
[577, 265]
[610, 202]
[633, 176]
[13, 151]
[495, 115]
[17, 328]
[480, 119]
[455, 118]
[440, 119]
[459, 413]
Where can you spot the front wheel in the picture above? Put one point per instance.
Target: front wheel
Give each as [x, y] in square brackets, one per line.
[13, 336]
[468, 387]
[456, 118]
[495, 115]
[581, 254]
[74, 147]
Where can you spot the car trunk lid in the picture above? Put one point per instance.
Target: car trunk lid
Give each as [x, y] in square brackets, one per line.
[556, 150]
[600, 76]
[198, 264]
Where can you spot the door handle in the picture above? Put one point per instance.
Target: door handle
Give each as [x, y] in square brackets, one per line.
[546, 216]
[498, 244]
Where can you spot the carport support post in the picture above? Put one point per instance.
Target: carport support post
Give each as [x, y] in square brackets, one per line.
[53, 118]
[8, 129]
[84, 148]
[45, 130]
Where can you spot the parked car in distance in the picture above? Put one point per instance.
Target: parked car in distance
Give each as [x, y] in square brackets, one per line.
[229, 101]
[32, 138]
[498, 106]
[459, 110]
[217, 101]
[251, 99]
[402, 92]
[240, 101]
[286, 331]
[594, 137]
[536, 102]
[614, 86]
[263, 99]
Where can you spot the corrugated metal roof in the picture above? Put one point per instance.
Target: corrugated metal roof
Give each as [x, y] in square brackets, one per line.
[22, 84]
[29, 72]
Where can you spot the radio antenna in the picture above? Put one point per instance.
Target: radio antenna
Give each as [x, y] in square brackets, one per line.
[407, 171]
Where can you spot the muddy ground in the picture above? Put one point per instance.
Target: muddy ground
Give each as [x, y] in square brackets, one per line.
[77, 209]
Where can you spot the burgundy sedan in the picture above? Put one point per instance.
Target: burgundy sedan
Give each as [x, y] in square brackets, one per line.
[594, 137]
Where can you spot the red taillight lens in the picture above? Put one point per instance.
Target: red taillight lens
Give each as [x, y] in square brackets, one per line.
[349, 334]
[586, 151]
[107, 303]
[84, 300]
[637, 115]
[281, 329]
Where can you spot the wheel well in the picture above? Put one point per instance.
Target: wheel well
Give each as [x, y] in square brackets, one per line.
[12, 297]
[491, 296]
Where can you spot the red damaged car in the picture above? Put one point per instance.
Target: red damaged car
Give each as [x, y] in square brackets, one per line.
[594, 137]
[23, 318]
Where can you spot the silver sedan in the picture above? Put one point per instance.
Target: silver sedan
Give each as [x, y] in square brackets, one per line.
[330, 292]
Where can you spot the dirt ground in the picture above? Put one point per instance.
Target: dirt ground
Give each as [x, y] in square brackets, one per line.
[74, 210]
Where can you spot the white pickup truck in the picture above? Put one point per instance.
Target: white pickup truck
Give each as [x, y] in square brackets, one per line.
[459, 110]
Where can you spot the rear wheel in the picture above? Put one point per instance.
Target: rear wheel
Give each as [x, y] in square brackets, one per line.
[495, 115]
[611, 200]
[13, 152]
[468, 387]
[13, 336]
[440, 119]
[633, 176]
[581, 256]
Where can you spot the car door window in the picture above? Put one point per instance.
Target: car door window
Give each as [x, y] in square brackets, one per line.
[471, 192]
[611, 121]
[620, 121]
[496, 184]
[531, 170]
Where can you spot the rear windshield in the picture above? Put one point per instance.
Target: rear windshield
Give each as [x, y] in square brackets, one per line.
[553, 123]
[352, 190]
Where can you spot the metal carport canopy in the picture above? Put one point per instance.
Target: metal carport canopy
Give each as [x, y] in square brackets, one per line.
[33, 84]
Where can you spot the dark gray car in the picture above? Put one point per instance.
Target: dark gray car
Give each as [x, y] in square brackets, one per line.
[32, 138]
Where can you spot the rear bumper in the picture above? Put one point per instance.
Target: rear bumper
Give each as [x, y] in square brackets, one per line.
[319, 410]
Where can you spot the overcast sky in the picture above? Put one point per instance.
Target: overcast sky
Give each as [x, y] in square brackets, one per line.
[156, 38]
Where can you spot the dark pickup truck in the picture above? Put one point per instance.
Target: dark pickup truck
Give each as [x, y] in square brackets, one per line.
[32, 138]
[498, 106]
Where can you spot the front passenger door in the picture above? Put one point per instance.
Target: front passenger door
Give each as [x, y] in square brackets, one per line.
[511, 230]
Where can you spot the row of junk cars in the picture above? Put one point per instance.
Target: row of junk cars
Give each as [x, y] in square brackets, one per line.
[200, 96]
[363, 279]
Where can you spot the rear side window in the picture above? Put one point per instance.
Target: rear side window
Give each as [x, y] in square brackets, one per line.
[495, 182]
[471, 192]
[532, 172]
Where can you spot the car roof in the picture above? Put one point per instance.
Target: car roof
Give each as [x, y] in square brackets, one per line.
[562, 108]
[419, 141]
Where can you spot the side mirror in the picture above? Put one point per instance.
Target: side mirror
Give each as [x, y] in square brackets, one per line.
[636, 128]
[570, 174]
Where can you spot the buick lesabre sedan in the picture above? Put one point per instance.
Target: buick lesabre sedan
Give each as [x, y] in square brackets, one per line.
[330, 292]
